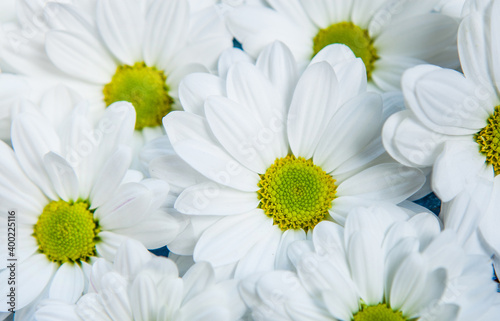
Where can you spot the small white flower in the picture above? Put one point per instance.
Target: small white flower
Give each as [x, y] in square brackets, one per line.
[390, 36]
[67, 182]
[263, 155]
[140, 287]
[386, 264]
[452, 120]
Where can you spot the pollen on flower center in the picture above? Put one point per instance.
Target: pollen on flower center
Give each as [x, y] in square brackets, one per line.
[380, 312]
[489, 140]
[296, 193]
[66, 232]
[352, 36]
[145, 88]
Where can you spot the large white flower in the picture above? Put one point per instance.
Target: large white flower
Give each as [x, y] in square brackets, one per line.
[140, 287]
[386, 264]
[452, 119]
[136, 51]
[67, 184]
[390, 36]
[262, 155]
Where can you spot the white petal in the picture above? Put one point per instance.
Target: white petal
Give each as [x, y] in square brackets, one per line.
[313, 104]
[367, 267]
[289, 236]
[458, 162]
[109, 244]
[67, 284]
[110, 176]
[389, 182]
[407, 279]
[254, 141]
[192, 140]
[114, 297]
[278, 65]
[131, 257]
[62, 175]
[82, 57]
[195, 88]
[388, 71]
[32, 138]
[212, 199]
[232, 237]
[198, 279]
[170, 291]
[166, 30]
[354, 125]
[57, 312]
[143, 296]
[229, 58]
[262, 256]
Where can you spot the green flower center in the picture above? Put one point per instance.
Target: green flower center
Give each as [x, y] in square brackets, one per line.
[379, 312]
[67, 232]
[352, 36]
[145, 88]
[489, 140]
[296, 193]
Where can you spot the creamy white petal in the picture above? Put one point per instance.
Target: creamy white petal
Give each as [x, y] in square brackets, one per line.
[367, 267]
[230, 57]
[456, 166]
[109, 244]
[84, 58]
[130, 258]
[389, 182]
[363, 10]
[195, 88]
[213, 199]
[144, 298]
[67, 284]
[310, 112]
[255, 141]
[278, 65]
[353, 126]
[232, 237]
[389, 69]
[32, 138]
[62, 176]
[166, 30]
[288, 237]
[261, 257]
[189, 133]
[121, 25]
[295, 12]
[110, 176]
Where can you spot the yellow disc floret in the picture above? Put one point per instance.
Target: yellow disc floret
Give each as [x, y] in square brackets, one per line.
[352, 36]
[145, 88]
[489, 141]
[67, 232]
[379, 312]
[296, 193]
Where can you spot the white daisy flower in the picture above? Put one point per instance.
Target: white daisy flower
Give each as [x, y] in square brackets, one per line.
[384, 265]
[136, 51]
[389, 36]
[73, 200]
[140, 287]
[452, 118]
[270, 155]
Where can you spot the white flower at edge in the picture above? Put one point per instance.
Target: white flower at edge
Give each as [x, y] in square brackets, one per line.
[384, 265]
[390, 36]
[451, 119]
[74, 200]
[242, 130]
[141, 287]
[131, 50]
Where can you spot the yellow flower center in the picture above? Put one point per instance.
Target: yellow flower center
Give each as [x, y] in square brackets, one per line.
[296, 193]
[145, 88]
[67, 232]
[352, 36]
[379, 312]
[489, 138]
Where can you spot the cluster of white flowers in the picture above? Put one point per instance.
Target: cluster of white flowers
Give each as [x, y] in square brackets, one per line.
[275, 150]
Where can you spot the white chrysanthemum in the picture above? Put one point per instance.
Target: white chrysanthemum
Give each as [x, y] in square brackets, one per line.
[67, 182]
[385, 265]
[136, 51]
[264, 155]
[140, 287]
[390, 36]
[452, 119]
